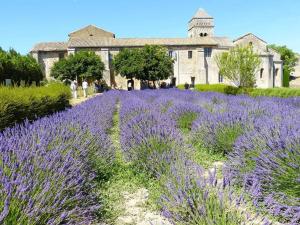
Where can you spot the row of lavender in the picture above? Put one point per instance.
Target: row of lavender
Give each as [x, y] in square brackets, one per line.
[151, 140]
[46, 168]
[259, 136]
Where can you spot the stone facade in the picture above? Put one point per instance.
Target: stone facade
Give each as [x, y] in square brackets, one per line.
[193, 56]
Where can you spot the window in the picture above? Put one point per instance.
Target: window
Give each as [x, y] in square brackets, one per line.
[220, 78]
[261, 73]
[61, 55]
[207, 52]
[250, 43]
[201, 34]
[110, 56]
[192, 82]
[205, 34]
[190, 54]
[171, 54]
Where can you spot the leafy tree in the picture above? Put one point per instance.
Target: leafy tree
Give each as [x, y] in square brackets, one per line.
[83, 64]
[150, 63]
[289, 59]
[158, 65]
[128, 63]
[18, 67]
[239, 65]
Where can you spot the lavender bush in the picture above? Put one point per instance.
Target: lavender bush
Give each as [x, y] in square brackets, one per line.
[46, 168]
[151, 139]
[259, 135]
[267, 162]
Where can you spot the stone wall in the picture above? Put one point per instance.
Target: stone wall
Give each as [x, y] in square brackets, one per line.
[297, 68]
[203, 69]
[47, 60]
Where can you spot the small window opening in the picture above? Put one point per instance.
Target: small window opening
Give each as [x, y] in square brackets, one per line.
[190, 54]
[207, 52]
[261, 72]
[220, 78]
[61, 55]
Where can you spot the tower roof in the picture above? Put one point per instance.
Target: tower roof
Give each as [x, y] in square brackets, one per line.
[201, 13]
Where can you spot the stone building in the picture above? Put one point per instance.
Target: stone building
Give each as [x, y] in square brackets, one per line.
[193, 56]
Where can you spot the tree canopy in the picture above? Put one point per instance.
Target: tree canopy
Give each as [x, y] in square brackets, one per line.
[239, 64]
[19, 67]
[289, 59]
[82, 65]
[129, 63]
[150, 63]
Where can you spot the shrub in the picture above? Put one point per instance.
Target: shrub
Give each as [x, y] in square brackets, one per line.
[190, 198]
[222, 88]
[230, 90]
[18, 104]
[47, 174]
[266, 161]
[218, 132]
[275, 92]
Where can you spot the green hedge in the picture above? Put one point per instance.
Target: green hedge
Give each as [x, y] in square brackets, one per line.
[19, 103]
[227, 89]
[276, 92]
[222, 88]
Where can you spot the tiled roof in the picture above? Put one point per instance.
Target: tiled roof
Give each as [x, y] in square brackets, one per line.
[137, 42]
[50, 46]
[131, 42]
[223, 41]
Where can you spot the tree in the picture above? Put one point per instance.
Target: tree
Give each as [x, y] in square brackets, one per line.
[129, 63]
[158, 65]
[150, 63]
[19, 67]
[239, 65]
[289, 59]
[83, 65]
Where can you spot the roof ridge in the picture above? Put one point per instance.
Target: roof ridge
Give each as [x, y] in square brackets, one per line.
[247, 34]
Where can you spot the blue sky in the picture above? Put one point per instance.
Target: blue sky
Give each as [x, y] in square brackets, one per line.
[26, 22]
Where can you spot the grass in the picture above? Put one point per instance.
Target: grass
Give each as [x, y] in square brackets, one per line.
[206, 158]
[186, 120]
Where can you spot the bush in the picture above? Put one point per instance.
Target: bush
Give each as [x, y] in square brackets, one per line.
[230, 90]
[49, 167]
[275, 92]
[18, 104]
[222, 88]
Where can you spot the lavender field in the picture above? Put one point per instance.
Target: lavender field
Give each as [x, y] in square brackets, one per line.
[205, 158]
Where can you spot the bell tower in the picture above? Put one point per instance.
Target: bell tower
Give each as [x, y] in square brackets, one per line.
[201, 25]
